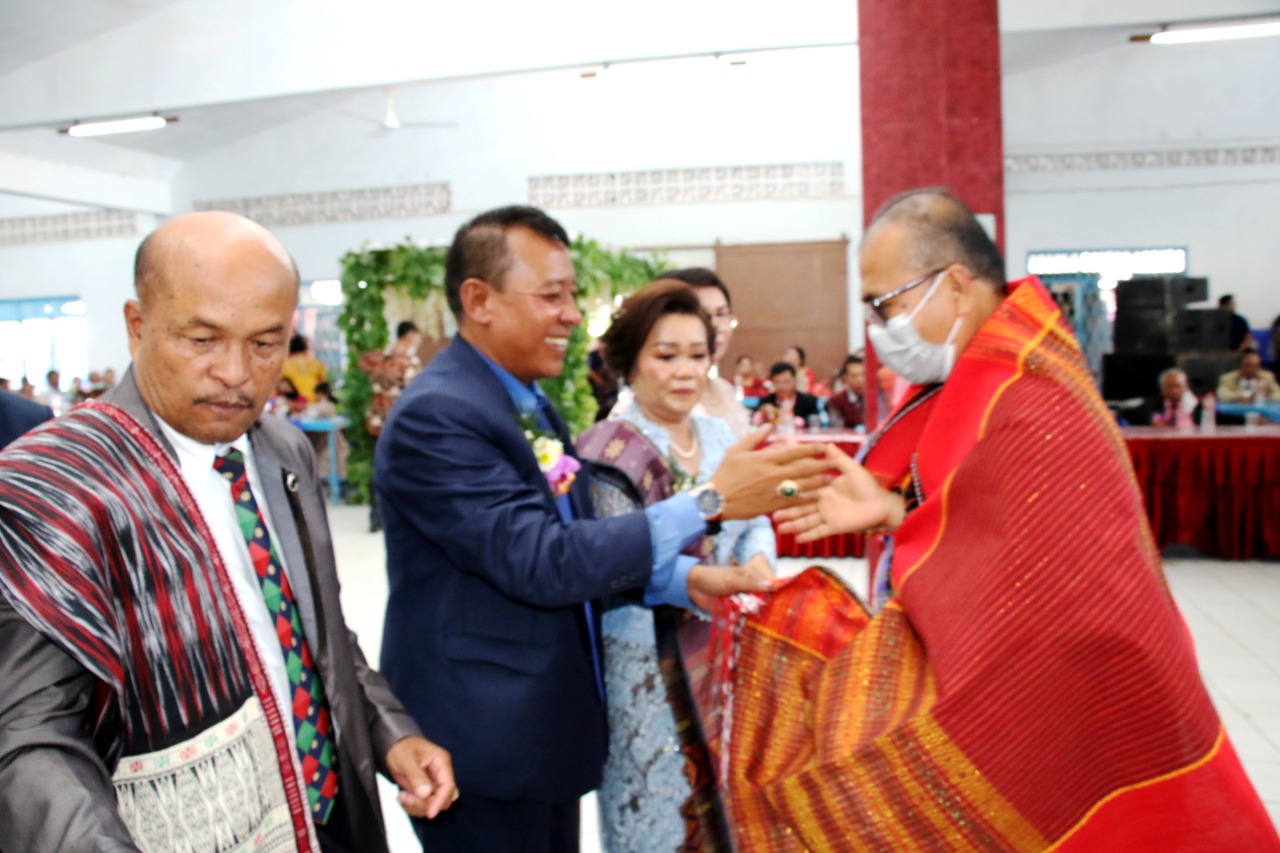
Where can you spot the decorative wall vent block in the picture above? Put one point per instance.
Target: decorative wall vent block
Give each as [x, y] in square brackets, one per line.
[63, 227]
[404, 202]
[689, 185]
[1182, 158]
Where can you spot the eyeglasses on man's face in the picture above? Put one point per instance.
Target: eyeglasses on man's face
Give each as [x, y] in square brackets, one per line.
[875, 305]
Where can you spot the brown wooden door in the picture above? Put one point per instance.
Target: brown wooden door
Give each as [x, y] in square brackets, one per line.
[786, 294]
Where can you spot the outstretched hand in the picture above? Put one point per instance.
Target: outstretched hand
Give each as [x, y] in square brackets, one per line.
[750, 475]
[424, 773]
[707, 583]
[854, 502]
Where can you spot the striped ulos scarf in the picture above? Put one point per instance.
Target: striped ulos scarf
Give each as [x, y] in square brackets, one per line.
[104, 551]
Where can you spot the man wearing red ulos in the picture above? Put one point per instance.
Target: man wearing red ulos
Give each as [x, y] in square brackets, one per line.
[1029, 684]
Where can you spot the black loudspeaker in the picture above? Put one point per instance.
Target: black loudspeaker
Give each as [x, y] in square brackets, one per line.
[1168, 292]
[1127, 375]
[1203, 370]
[1202, 329]
[1184, 291]
[1142, 330]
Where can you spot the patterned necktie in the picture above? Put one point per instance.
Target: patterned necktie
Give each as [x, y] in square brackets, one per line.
[312, 727]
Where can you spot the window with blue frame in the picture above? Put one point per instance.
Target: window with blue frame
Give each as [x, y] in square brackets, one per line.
[39, 335]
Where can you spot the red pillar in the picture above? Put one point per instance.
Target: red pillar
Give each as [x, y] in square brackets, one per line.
[931, 101]
[930, 74]
[930, 115]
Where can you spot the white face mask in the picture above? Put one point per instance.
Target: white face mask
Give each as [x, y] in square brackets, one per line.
[899, 346]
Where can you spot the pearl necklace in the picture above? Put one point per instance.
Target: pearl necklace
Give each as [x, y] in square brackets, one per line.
[680, 451]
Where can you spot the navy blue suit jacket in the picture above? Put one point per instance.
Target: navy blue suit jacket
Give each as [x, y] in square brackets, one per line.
[485, 640]
[18, 414]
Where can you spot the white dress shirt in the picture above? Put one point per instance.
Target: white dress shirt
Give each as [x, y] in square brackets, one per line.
[212, 494]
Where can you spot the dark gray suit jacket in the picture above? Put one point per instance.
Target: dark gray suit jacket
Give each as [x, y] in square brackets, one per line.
[55, 792]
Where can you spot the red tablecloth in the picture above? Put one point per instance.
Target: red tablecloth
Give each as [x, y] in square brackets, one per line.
[1218, 491]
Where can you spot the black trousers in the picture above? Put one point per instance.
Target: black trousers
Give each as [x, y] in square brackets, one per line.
[480, 825]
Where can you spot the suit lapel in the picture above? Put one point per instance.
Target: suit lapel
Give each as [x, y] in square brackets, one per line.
[289, 542]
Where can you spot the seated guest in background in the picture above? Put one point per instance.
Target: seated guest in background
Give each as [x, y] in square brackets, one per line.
[1249, 383]
[18, 414]
[1240, 339]
[176, 672]
[26, 389]
[805, 378]
[286, 401]
[846, 403]
[324, 407]
[785, 402]
[301, 368]
[1179, 407]
[658, 791]
[747, 380]
[1275, 340]
[53, 395]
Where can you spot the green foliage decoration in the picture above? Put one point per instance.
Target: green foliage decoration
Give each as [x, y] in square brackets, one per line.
[604, 274]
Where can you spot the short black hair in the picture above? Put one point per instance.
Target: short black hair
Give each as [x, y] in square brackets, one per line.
[1225, 298]
[297, 344]
[944, 231]
[404, 328]
[700, 277]
[804, 359]
[782, 367]
[852, 359]
[479, 249]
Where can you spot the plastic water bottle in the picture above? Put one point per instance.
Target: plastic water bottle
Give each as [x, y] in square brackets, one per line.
[1208, 413]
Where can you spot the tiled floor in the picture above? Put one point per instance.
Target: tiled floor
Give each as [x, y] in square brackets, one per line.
[1233, 610]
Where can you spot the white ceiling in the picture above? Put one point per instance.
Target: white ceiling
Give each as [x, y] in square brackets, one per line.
[39, 28]
[237, 68]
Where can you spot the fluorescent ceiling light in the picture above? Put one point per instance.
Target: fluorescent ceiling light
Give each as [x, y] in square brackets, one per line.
[1213, 32]
[124, 125]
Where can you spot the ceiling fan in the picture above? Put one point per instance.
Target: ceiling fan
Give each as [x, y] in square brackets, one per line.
[391, 120]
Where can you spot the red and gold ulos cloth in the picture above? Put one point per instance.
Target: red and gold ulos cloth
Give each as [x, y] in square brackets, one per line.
[1030, 685]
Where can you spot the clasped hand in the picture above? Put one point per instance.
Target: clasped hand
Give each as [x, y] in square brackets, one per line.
[853, 503]
[424, 772]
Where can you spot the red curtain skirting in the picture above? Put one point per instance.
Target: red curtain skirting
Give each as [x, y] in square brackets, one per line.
[1218, 492]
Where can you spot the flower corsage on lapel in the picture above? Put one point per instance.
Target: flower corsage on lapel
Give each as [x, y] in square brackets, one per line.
[558, 467]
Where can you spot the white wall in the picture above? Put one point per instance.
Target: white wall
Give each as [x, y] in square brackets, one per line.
[1092, 91]
[98, 271]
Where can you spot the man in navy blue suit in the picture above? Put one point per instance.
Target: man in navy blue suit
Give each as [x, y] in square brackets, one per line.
[491, 636]
[18, 414]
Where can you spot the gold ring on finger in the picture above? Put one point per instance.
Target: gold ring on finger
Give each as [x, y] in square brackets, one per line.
[788, 489]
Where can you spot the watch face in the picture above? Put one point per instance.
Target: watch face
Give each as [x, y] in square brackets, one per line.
[709, 503]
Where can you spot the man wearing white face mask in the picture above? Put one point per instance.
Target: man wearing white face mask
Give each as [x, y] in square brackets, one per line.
[1029, 683]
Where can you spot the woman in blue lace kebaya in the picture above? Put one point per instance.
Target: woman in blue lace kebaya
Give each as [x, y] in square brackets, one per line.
[658, 792]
